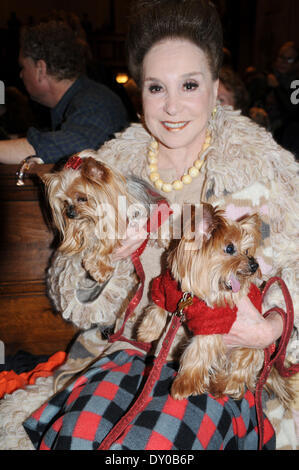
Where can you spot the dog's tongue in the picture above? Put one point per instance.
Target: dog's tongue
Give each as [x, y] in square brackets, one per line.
[235, 284]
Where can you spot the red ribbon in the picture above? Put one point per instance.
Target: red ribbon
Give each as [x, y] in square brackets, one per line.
[74, 162]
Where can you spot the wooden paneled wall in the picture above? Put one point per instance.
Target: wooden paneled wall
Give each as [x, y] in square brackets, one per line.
[27, 319]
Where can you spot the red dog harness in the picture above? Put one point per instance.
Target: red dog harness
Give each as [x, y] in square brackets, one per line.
[200, 319]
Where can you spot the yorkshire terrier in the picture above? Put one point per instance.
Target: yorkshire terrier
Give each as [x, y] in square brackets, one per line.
[214, 261]
[92, 206]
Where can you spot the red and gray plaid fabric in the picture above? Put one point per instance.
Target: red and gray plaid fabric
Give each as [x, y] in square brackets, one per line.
[80, 416]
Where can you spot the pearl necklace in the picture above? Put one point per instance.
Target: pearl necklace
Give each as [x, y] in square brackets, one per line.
[178, 184]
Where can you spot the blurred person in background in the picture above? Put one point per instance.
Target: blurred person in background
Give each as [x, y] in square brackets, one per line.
[83, 113]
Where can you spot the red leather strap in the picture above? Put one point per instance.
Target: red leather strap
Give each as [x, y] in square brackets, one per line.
[142, 399]
[155, 221]
[118, 336]
[278, 357]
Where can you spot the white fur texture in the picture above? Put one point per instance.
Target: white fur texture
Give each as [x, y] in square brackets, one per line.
[18, 406]
[67, 277]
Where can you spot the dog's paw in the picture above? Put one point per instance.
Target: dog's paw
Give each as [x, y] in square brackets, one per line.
[152, 324]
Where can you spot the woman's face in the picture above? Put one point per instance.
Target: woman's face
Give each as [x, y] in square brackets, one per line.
[178, 93]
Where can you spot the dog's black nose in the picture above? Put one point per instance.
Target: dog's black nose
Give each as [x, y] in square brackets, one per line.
[253, 265]
[71, 212]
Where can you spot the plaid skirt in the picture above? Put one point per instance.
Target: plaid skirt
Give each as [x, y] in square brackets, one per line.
[80, 416]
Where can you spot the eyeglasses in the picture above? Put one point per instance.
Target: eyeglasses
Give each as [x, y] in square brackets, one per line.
[289, 60]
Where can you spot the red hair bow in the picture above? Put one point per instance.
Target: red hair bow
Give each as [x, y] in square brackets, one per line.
[74, 162]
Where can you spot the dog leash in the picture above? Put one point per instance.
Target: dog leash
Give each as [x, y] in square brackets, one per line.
[142, 400]
[155, 221]
[118, 336]
[279, 355]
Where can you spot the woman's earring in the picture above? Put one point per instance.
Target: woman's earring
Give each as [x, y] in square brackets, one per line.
[214, 112]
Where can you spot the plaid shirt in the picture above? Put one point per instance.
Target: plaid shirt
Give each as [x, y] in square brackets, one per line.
[87, 115]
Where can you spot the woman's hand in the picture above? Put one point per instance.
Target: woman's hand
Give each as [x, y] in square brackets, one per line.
[251, 329]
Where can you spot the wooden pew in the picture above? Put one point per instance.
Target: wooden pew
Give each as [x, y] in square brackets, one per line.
[27, 319]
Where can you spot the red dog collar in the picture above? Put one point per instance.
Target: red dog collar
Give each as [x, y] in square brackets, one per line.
[200, 319]
[74, 162]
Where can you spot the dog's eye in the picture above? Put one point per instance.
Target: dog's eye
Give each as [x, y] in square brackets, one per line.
[81, 199]
[230, 249]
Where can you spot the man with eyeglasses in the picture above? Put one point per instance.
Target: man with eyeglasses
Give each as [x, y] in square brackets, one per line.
[286, 58]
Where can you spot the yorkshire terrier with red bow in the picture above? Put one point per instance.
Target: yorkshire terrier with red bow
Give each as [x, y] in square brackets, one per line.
[214, 262]
[93, 205]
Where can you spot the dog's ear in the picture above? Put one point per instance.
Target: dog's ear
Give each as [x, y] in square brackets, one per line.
[251, 224]
[199, 222]
[209, 220]
[95, 170]
[50, 181]
[205, 219]
[46, 178]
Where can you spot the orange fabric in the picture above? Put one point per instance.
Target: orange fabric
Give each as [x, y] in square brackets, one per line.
[10, 381]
